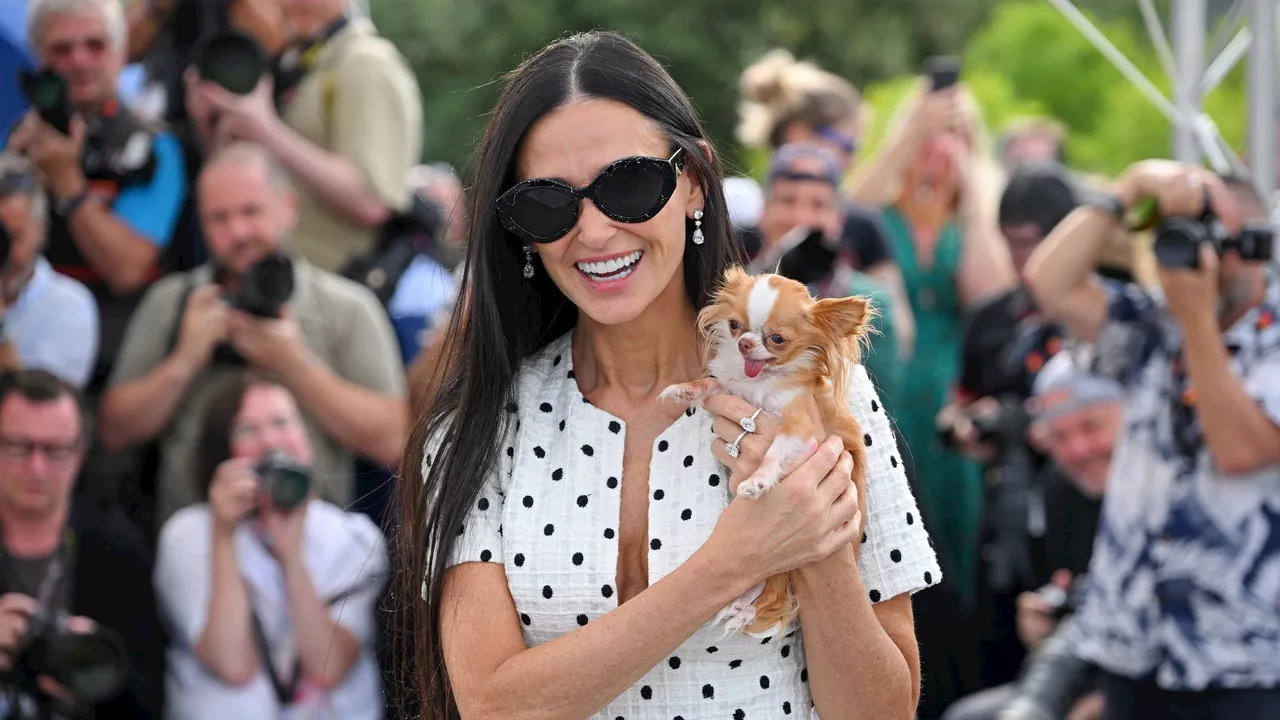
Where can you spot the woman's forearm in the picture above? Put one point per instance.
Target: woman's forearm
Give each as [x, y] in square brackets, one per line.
[601, 660]
[226, 647]
[986, 267]
[856, 670]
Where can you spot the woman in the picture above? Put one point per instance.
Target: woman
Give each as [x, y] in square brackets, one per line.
[786, 101]
[575, 534]
[270, 609]
[938, 204]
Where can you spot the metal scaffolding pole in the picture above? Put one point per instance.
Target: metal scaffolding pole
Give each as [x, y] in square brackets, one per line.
[1188, 39]
[1262, 97]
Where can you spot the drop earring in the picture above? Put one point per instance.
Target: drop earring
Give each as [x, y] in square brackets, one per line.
[528, 262]
[698, 237]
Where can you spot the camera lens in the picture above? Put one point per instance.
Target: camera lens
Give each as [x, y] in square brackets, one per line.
[289, 487]
[266, 286]
[232, 60]
[46, 90]
[94, 666]
[6, 247]
[1177, 242]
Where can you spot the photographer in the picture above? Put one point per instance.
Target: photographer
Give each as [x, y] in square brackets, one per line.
[116, 185]
[47, 320]
[1177, 611]
[67, 569]
[349, 128]
[1004, 346]
[269, 592]
[324, 337]
[1076, 421]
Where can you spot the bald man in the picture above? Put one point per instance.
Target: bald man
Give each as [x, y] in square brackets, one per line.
[331, 344]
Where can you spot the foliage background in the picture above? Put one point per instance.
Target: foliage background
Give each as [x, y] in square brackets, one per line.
[1020, 57]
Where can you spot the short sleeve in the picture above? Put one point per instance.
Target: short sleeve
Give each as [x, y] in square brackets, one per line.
[150, 331]
[479, 538]
[152, 208]
[378, 117]
[896, 555]
[1262, 379]
[865, 238]
[181, 575]
[369, 355]
[1130, 334]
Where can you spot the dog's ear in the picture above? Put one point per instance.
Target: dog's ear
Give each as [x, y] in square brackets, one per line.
[846, 317]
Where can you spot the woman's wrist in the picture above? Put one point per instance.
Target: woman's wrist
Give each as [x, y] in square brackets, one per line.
[726, 578]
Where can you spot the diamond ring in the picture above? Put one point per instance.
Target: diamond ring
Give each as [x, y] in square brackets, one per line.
[732, 448]
[749, 423]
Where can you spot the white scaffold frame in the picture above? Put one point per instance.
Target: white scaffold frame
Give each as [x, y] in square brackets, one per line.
[1249, 30]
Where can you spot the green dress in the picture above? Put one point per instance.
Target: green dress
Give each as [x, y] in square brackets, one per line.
[880, 356]
[948, 487]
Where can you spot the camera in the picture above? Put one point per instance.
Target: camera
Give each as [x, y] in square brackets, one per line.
[265, 287]
[1054, 678]
[6, 247]
[47, 92]
[285, 481]
[1178, 241]
[943, 71]
[234, 61]
[94, 666]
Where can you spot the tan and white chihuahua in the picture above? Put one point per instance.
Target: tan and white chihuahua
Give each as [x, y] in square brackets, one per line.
[773, 345]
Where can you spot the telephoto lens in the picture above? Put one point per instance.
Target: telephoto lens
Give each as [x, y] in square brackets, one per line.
[285, 481]
[265, 287]
[234, 61]
[47, 92]
[94, 666]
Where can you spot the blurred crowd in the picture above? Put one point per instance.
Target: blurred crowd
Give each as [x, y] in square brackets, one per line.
[216, 301]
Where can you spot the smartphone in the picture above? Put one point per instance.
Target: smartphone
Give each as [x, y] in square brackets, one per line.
[943, 71]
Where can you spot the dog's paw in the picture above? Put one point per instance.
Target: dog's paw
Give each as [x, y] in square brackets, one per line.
[683, 393]
[741, 612]
[756, 485]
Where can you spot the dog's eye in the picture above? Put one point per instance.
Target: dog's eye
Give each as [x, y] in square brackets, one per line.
[734, 325]
[777, 339]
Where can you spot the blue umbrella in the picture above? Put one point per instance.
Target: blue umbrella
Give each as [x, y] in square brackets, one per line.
[14, 56]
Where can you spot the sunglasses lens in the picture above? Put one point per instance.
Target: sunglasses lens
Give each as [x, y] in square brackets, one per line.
[544, 212]
[634, 191]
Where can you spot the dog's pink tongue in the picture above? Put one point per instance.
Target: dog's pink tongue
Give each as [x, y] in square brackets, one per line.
[753, 367]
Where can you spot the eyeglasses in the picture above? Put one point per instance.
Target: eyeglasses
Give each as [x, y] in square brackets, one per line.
[630, 190]
[21, 449]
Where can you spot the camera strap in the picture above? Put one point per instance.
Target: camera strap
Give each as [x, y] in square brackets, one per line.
[285, 692]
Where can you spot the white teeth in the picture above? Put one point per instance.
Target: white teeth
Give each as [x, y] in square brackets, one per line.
[610, 267]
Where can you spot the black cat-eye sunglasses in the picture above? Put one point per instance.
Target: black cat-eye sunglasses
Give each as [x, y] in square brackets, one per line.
[630, 190]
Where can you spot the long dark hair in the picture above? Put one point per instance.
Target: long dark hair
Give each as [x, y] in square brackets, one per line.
[502, 318]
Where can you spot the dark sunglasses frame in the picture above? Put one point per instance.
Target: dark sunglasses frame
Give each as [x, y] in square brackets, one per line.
[668, 170]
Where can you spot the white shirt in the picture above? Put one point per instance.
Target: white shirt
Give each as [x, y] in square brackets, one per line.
[54, 325]
[550, 511]
[342, 550]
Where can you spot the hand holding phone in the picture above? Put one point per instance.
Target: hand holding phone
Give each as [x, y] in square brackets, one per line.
[943, 71]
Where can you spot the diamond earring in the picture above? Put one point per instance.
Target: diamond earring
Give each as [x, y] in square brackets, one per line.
[698, 237]
[528, 262]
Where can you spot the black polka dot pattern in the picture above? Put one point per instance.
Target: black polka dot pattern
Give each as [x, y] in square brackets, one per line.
[561, 465]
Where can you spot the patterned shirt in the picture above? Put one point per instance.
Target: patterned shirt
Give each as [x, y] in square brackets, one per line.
[549, 512]
[1184, 584]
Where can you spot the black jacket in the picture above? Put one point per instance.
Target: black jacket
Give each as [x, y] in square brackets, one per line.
[111, 585]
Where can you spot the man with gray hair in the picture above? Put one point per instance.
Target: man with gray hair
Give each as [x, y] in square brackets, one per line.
[47, 320]
[324, 338]
[115, 184]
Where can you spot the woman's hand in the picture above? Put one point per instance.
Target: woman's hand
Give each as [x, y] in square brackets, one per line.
[934, 113]
[812, 514]
[730, 412]
[233, 492]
